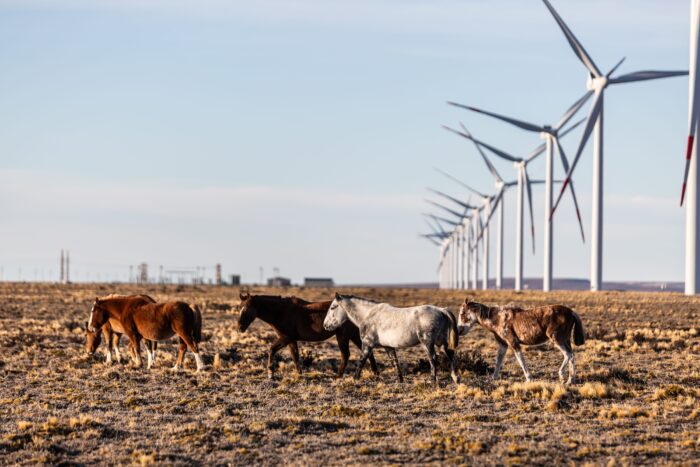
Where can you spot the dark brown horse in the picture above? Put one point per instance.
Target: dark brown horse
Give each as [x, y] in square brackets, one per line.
[112, 332]
[514, 327]
[295, 319]
[152, 321]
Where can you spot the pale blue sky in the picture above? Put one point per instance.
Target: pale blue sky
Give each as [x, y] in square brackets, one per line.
[301, 134]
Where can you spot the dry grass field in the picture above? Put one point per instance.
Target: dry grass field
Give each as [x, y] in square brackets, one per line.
[636, 400]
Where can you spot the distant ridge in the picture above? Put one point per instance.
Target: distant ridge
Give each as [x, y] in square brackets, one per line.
[557, 284]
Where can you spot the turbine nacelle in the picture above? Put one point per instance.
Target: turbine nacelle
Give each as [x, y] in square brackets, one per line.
[597, 84]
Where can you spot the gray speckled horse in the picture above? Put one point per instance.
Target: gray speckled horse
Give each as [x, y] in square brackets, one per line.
[393, 328]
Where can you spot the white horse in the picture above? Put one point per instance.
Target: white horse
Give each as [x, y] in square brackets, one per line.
[393, 328]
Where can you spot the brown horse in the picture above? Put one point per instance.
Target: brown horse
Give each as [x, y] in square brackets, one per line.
[295, 319]
[513, 326]
[112, 332]
[152, 321]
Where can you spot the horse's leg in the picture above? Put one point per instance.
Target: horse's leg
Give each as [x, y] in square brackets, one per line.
[521, 360]
[154, 347]
[366, 352]
[115, 346]
[274, 348]
[430, 348]
[294, 350]
[372, 362]
[453, 362]
[344, 346]
[136, 348]
[392, 354]
[565, 348]
[180, 355]
[191, 344]
[149, 354]
[502, 349]
[108, 344]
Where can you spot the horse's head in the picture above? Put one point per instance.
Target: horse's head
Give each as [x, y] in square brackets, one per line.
[248, 312]
[92, 340]
[469, 315]
[336, 315]
[98, 316]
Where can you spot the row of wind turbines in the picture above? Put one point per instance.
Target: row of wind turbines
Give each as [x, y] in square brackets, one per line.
[462, 229]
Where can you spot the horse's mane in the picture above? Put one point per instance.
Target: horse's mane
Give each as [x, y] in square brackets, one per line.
[355, 297]
[114, 296]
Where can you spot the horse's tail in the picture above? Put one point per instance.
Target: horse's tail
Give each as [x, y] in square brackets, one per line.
[197, 323]
[452, 332]
[579, 337]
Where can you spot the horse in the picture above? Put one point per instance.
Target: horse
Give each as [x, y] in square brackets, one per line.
[152, 321]
[384, 325]
[295, 319]
[514, 326]
[113, 330]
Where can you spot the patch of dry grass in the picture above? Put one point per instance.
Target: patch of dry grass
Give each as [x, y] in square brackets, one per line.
[638, 378]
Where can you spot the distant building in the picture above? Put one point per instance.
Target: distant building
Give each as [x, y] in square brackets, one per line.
[318, 282]
[235, 279]
[278, 281]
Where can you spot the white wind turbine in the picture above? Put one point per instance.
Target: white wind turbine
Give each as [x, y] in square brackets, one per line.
[487, 203]
[524, 186]
[597, 82]
[551, 135]
[691, 175]
[458, 252]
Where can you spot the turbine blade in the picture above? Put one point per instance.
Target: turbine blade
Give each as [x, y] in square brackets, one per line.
[588, 129]
[571, 111]
[459, 182]
[445, 208]
[477, 143]
[574, 43]
[519, 123]
[565, 165]
[613, 69]
[451, 198]
[645, 76]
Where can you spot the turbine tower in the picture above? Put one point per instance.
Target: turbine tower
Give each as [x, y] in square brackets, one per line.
[690, 178]
[597, 82]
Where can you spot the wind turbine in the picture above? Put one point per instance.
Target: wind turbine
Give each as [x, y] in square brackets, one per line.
[597, 82]
[524, 186]
[463, 217]
[486, 206]
[692, 174]
[458, 254]
[550, 134]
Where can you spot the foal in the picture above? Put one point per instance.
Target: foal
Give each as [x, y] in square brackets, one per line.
[397, 328]
[112, 330]
[295, 319]
[153, 321]
[513, 327]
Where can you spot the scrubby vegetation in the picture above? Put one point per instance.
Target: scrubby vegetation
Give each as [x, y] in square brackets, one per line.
[636, 399]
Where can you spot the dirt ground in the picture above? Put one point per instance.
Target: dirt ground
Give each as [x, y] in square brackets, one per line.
[635, 401]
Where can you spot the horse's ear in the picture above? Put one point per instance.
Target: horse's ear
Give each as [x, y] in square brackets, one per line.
[337, 296]
[466, 301]
[243, 297]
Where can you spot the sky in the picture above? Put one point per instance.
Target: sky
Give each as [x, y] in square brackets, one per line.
[301, 134]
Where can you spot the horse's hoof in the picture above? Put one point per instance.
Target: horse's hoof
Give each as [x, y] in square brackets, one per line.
[175, 368]
[455, 378]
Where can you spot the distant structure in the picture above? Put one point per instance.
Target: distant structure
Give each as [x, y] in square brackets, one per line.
[67, 281]
[62, 274]
[217, 274]
[278, 281]
[318, 282]
[143, 273]
[235, 279]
